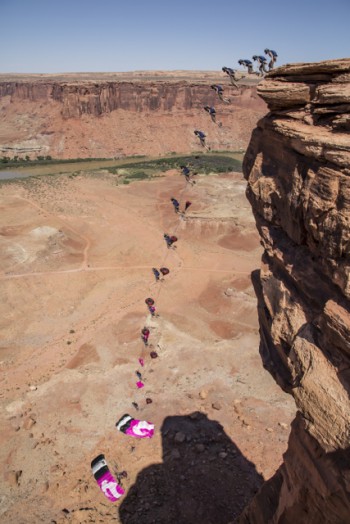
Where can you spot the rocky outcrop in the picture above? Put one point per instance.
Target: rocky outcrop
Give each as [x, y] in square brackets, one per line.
[298, 171]
[114, 115]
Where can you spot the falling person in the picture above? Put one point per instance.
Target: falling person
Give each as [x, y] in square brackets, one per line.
[156, 273]
[220, 92]
[187, 174]
[175, 204]
[232, 75]
[212, 113]
[145, 335]
[202, 138]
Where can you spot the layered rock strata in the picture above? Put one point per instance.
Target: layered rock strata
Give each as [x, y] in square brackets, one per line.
[105, 115]
[298, 172]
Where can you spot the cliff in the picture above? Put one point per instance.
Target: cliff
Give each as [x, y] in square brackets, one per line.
[111, 115]
[298, 172]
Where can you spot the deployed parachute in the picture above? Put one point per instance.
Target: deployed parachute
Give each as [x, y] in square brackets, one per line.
[173, 238]
[164, 270]
[135, 428]
[107, 483]
[149, 301]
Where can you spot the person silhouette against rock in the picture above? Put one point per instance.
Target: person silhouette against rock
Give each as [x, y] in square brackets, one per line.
[273, 55]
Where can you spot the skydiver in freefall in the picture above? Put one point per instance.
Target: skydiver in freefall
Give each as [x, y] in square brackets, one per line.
[273, 55]
[263, 63]
[249, 65]
[232, 75]
[220, 92]
[202, 138]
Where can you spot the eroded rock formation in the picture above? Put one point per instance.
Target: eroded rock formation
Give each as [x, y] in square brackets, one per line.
[298, 171]
[103, 115]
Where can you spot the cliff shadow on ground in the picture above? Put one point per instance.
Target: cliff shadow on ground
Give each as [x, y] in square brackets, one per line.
[203, 478]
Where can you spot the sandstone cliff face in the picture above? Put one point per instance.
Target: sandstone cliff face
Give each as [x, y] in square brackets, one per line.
[298, 171]
[108, 117]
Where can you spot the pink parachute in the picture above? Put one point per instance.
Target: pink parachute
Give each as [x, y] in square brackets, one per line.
[107, 483]
[135, 428]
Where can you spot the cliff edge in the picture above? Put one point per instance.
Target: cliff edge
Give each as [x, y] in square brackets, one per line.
[298, 172]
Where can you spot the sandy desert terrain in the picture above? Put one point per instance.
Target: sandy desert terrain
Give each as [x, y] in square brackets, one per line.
[76, 257]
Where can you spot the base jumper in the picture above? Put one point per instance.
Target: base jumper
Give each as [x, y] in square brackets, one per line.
[262, 64]
[175, 204]
[187, 174]
[273, 55]
[145, 335]
[249, 65]
[220, 92]
[202, 138]
[232, 75]
[212, 112]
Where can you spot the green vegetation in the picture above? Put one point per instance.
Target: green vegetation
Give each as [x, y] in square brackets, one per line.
[43, 160]
[130, 169]
[203, 164]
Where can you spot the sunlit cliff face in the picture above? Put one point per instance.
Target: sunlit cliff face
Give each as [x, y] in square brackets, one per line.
[298, 171]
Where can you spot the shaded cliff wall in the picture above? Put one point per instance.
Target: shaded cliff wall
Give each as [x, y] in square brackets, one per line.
[298, 172]
[112, 119]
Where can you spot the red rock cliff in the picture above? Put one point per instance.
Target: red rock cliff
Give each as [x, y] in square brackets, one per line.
[298, 171]
[104, 116]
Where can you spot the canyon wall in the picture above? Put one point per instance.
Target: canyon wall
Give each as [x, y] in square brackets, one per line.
[298, 172]
[112, 116]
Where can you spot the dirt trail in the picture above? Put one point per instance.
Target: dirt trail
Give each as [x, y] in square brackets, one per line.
[70, 322]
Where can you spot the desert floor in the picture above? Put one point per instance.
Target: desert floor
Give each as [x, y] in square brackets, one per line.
[76, 257]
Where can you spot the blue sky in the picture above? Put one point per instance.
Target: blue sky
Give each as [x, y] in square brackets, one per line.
[47, 36]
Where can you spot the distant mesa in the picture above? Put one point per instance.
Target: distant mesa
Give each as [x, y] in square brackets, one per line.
[108, 115]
